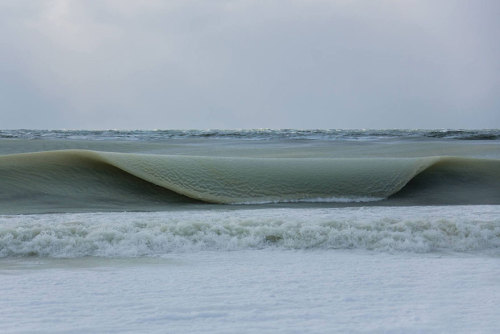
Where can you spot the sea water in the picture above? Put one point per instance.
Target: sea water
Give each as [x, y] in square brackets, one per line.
[106, 231]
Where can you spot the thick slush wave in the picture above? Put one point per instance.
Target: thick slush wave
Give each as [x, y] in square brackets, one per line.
[392, 229]
[79, 179]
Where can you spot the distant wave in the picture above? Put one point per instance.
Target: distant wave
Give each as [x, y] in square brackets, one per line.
[392, 229]
[60, 180]
[253, 134]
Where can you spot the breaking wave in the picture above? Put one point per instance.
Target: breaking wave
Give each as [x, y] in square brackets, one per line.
[392, 229]
[57, 180]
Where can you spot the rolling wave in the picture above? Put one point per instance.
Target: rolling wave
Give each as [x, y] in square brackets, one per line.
[76, 180]
[118, 234]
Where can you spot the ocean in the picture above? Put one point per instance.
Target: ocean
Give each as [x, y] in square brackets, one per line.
[250, 231]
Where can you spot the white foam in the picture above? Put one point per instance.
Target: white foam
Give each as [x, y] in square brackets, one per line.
[394, 229]
[320, 200]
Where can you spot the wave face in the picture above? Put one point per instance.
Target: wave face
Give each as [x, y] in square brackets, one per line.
[79, 180]
[407, 229]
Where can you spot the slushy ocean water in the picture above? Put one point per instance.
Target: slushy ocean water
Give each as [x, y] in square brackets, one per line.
[251, 231]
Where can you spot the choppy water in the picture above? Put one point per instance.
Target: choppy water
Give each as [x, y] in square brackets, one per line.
[253, 134]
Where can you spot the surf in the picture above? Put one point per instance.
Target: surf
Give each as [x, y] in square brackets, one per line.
[383, 229]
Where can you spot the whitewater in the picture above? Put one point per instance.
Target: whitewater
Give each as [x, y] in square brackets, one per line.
[251, 231]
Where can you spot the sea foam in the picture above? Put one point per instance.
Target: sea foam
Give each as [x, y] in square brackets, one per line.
[129, 234]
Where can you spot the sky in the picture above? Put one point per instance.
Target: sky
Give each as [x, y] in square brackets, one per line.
[180, 64]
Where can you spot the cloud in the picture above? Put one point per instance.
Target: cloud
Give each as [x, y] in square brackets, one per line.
[243, 64]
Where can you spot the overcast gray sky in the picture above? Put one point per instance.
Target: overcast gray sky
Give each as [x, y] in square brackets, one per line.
[122, 64]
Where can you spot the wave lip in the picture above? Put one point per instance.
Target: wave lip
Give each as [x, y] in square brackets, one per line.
[419, 230]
